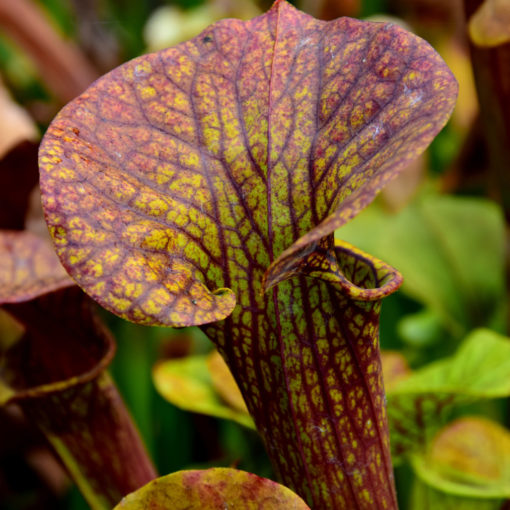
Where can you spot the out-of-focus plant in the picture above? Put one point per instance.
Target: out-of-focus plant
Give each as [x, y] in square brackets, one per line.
[56, 373]
[202, 384]
[457, 274]
[170, 24]
[490, 51]
[465, 467]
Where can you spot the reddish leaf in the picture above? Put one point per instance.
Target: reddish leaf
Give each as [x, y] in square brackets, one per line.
[178, 179]
[56, 373]
[29, 268]
[43, 356]
[212, 489]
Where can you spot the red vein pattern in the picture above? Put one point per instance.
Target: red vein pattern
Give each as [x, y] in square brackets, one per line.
[175, 182]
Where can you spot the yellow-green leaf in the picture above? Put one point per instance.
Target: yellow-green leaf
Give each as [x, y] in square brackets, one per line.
[468, 458]
[224, 383]
[212, 489]
[188, 383]
[489, 26]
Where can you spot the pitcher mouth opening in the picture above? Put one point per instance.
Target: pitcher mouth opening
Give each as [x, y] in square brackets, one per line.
[363, 277]
[40, 365]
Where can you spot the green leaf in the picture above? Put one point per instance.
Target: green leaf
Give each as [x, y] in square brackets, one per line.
[416, 405]
[56, 373]
[187, 383]
[425, 497]
[421, 329]
[212, 489]
[470, 458]
[224, 383]
[450, 251]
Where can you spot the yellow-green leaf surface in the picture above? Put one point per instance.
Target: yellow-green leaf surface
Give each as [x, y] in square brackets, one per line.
[186, 171]
[451, 251]
[184, 183]
[188, 384]
[478, 370]
[10, 330]
[469, 458]
[212, 489]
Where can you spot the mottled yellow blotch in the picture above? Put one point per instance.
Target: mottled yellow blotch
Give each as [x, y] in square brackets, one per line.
[98, 289]
[192, 160]
[147, 92]
[93, 269]
[366, 496]
[142, 67]
[121, 304]
[133, 290]
[65, 173]
[157, 240]
[59, 235]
